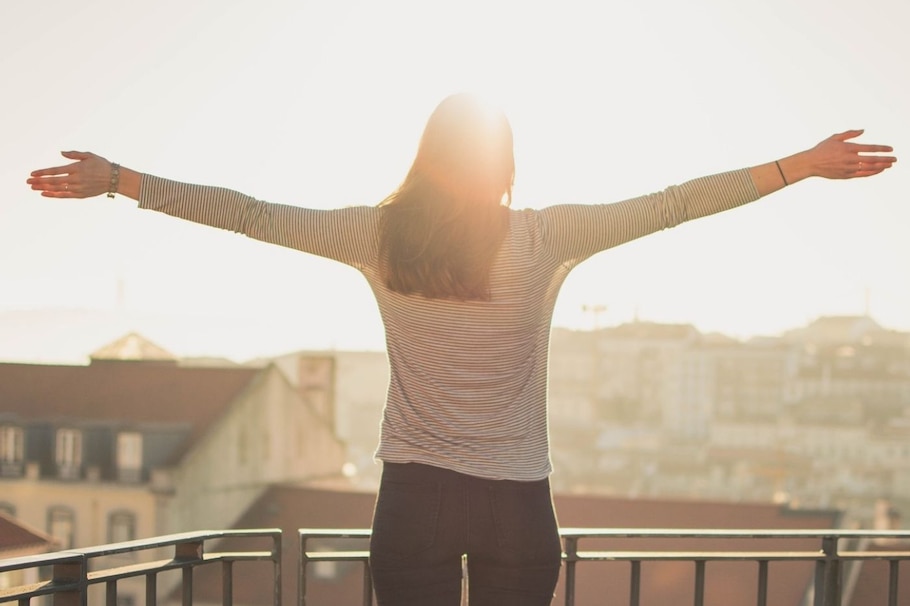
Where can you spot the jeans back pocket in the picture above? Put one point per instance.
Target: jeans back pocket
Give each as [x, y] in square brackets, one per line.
[405, 518]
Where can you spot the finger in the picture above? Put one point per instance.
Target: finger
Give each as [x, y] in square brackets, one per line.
[867, 170]
[57, 194]
[56, 185]
[865, 147]
[55, 170]
[76, 155]
[864, 166]
[869, 173]
[873, 160]
[848, 134]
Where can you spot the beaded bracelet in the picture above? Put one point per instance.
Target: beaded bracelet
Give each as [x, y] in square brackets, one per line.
[115, 180]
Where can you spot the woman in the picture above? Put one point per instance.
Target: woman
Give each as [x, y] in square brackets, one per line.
[466, 289]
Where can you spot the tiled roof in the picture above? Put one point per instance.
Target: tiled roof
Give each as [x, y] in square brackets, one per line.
[128, 392]
[18, 539]
[133, 347]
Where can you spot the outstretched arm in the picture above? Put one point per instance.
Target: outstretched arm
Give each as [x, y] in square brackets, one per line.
[833, 158]
[574, 232]
[346, 234]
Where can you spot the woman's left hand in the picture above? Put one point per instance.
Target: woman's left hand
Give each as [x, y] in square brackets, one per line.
[88, 176]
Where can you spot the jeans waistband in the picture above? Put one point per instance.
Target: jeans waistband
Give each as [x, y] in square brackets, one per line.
[416, 472]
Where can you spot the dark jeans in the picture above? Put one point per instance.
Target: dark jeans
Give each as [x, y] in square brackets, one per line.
[427, 518]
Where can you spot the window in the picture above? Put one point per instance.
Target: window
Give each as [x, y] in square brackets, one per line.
[61, 524]
[69, 453]
[129, 456]
[12, 450]
[121, 526]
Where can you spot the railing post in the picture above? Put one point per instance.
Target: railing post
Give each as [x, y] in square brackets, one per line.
[892, 582]
[151, 588]
[367, 584]
[71, 572]
[302, 561]
[188, 550]
[187, 593]
[827, 576]
[227, 583]
[700, 582]
[111, 593]
[762, 583]
[571, 559]
[276, 567]
[635, 583]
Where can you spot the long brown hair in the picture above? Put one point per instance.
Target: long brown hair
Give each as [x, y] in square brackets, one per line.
[441, 228]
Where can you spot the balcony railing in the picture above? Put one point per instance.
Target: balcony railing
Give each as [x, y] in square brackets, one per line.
[833, 552]
[66, 578]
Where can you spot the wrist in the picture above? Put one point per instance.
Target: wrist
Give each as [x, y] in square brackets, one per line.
[796, 167]
[129, 183]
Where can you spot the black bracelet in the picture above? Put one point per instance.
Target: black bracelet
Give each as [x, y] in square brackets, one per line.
[781, 171]
[115, 180]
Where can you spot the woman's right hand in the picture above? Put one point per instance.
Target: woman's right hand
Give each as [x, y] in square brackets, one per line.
[90, 175]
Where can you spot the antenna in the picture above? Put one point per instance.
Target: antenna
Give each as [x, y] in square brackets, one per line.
[120, 303]
[596, 311]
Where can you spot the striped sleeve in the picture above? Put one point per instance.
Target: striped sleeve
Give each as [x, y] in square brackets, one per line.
[348, 235]
[573, 232]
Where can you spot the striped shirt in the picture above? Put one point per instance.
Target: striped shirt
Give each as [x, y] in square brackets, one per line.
[468, 379]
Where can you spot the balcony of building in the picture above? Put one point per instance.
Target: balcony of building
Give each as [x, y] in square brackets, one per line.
[600, 566]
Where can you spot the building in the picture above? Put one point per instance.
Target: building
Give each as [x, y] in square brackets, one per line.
[358, 381]
[136, 445]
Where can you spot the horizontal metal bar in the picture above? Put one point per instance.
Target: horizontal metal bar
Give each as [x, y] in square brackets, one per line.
[873, 555]
[731, 533]
[134, 570]
[37, 589]
[337, 556]
[344, 533]
[695, 556]
[45, 559]
[174, 539]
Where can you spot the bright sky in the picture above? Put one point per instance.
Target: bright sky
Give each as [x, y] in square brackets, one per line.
[320, 103]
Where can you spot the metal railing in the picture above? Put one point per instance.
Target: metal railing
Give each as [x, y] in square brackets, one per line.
[68, 576]
[833, 552]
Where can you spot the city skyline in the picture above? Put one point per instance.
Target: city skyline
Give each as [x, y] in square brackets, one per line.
[322, 104]
[72, 336]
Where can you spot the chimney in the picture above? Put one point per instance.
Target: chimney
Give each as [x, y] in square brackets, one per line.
[316, 384]
[886, 516]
